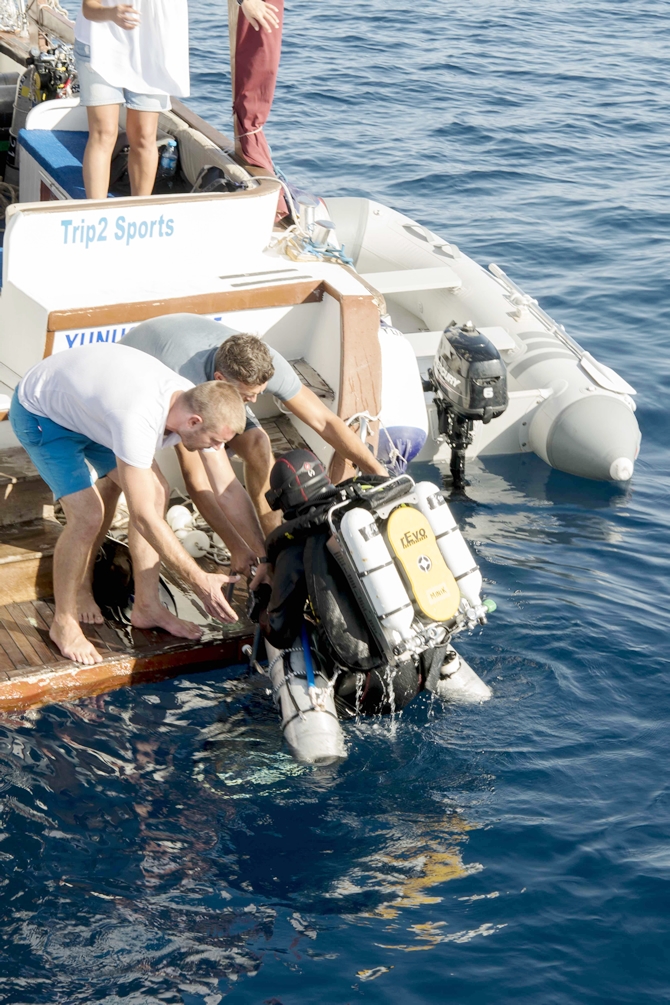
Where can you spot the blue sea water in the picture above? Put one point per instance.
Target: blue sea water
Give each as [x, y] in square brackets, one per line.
[159, 846]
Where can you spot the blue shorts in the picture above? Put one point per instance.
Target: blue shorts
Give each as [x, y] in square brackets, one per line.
[59, 454]
[94, 90]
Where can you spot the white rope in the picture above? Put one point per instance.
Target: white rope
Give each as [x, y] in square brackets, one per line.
[12, 16]
[365, 419]
[252, 132]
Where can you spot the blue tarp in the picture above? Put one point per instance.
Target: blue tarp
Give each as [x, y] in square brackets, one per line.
[60, 152]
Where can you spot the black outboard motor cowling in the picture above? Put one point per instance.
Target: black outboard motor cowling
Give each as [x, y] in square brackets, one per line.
[470, 384]
[470, 374]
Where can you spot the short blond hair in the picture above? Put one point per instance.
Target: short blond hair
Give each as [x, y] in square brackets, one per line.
[217, 404]
[245, 359]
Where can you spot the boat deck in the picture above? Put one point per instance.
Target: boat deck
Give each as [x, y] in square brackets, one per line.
[32, 670]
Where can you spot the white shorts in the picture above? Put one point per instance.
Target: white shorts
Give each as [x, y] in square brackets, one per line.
[94, 91]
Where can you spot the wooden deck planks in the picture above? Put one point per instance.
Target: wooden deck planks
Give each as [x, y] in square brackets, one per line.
[283, 435]
[28, 625]
[10, 649]
[33, 672]
[14, 640]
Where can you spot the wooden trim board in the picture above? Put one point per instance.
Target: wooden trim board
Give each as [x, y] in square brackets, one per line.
[288, 295]
[66, 681]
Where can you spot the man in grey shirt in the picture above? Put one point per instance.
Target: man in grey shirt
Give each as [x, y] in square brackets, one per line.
[202, 349]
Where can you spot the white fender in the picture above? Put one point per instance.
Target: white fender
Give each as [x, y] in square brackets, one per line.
[403, 415]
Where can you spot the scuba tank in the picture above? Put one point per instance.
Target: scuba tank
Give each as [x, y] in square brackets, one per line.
[451, 542]
[23, 102]
[307, 706]
[378, 574]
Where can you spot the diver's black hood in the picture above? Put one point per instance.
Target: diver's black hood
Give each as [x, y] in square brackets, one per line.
[298, 477]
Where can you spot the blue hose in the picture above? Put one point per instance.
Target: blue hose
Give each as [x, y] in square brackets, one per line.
[309, 666]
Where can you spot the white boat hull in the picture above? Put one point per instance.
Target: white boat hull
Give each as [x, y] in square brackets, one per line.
[573, 412]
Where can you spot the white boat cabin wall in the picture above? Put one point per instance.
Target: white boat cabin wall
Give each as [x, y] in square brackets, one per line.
[121, 261]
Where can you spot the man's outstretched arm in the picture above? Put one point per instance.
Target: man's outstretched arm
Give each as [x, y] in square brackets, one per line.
[306, 406]
[203, 495]
[233, 499]
[138, 486]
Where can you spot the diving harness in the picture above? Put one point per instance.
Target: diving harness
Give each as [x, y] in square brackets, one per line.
[372, 580]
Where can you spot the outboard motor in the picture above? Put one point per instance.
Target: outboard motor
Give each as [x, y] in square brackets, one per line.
[470, 384]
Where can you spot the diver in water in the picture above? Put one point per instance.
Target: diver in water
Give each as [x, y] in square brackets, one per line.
[372, 579]
[202, 349]
[309, 578]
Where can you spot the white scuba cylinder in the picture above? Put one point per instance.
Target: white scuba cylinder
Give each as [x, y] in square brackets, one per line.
[459, 682]
[450, 541]
[378, 574]
[314, 735]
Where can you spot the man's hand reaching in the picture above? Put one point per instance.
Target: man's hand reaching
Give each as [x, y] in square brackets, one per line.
[210, 591]
[242, 561]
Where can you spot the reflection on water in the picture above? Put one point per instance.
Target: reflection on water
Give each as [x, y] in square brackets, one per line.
[160, 843]
[415, 857]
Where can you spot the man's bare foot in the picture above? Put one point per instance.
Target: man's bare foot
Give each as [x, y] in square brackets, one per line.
[72, 642]
[89, 612]
[160, 617]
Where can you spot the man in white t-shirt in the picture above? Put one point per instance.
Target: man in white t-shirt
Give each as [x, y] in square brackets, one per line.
[114, 406]
[201, 349]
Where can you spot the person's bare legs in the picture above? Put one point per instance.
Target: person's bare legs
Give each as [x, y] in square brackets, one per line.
[141, 128]
[84, 514]
[148, 612]
[255, 450]
[88, 610]
[103, 131]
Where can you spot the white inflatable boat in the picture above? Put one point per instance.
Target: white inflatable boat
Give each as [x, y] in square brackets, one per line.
[571, 410]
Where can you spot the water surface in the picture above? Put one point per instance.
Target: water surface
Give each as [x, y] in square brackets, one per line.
[159, 846]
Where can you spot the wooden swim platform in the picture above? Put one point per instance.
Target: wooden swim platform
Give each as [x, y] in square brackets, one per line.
[32, 670]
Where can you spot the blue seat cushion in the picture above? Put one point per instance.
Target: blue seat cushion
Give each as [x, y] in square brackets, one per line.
[60, 152]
